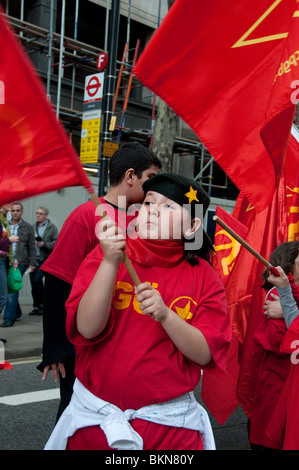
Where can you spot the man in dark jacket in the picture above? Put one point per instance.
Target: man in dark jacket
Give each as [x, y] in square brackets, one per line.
[24, 257]
[46, 235]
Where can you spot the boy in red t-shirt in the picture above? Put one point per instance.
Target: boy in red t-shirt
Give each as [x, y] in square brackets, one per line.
[129, 167]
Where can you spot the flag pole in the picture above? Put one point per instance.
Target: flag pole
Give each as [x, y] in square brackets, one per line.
[246, 245]
[127, 262]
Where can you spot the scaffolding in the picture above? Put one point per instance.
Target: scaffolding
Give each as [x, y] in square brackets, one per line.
[70, 60]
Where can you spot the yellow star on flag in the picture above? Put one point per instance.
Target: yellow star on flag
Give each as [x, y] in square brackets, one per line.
[192, 195]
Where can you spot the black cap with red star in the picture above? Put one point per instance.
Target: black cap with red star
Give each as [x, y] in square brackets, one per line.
[183, 190]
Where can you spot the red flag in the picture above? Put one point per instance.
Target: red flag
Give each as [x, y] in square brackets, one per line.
[227, 250]
[36, 155]
[292, 177]
[292, 158]
[215, 64]
[266, 230]
[293, 212]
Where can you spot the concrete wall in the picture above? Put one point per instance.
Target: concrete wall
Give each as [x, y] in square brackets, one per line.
[143, 11]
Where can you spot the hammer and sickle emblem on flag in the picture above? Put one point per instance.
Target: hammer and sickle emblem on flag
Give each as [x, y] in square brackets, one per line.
[293, 227]
[227, 262]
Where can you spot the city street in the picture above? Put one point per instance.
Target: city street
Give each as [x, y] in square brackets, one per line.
[28, 406]
[28, 409]
[27, 418]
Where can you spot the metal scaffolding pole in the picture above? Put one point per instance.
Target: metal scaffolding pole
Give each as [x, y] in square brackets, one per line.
[109, 92]
[60, 70]
[49, 55]
[75, 53]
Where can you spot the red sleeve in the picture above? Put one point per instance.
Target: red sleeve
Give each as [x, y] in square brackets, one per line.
[270, 332]
[212, 317]
[291, 340]
[82, 280]
[76, 239]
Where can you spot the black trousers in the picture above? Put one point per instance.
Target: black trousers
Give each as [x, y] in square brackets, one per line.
[56, 347]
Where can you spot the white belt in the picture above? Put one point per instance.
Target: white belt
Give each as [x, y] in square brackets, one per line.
[85, 409]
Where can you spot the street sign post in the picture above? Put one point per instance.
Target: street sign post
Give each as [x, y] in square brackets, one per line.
[91, 118]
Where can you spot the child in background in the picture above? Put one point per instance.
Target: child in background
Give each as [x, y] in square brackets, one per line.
[272, 365]
[140, 351]
[283, 426]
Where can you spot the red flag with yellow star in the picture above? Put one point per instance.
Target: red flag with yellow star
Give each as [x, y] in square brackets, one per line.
[228, 74]
[36, 155]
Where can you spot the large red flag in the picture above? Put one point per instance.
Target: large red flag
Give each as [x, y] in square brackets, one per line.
[266, 230]
[226, 69]
[36, 156]
[218, 384]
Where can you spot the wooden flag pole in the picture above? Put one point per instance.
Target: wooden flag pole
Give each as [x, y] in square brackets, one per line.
[127, 262]
[246, 245]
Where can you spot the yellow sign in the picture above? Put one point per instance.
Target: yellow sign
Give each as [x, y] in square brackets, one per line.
[91, 118]
[112, 123]
[89, 148]
[109, 148]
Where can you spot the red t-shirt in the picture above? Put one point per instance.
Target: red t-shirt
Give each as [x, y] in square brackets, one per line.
[283, 427]
[134, 363]
[272, 369]
[78, 237]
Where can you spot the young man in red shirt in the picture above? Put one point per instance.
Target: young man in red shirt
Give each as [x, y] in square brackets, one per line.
[130, 166]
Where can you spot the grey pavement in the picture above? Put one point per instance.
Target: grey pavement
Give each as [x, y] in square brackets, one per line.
[24, 339]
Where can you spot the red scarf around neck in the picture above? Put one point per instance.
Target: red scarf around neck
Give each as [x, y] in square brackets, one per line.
[162, 253]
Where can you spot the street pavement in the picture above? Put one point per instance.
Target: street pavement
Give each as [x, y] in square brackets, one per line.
[24, 340]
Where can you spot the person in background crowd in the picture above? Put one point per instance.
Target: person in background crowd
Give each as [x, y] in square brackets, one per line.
[272, 365]
[46, 234]
[6, 254]
[24, 256]
[283, 426]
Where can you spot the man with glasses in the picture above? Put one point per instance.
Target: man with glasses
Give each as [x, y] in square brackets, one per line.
[46, 235]
[24, 256]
